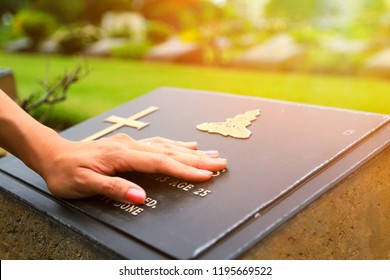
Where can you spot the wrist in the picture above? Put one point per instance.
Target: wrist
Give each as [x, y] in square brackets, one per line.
[44, 149]
[32, 142]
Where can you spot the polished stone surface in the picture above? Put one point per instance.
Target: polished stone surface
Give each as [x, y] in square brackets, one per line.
[297, 152]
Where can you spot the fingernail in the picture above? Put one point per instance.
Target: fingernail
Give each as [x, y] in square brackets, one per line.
[211, 153]
[220, 159]
[205, 172]
[191, 144]
[136, 195]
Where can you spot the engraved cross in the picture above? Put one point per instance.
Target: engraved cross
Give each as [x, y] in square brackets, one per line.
[118, 122]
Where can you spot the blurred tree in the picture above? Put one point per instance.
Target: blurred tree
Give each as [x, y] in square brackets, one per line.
[95, 9]
[63, 11]
[313, 10]
[367, 19]
[174, 12]
[376, 6]
[292, 11]
[10, 6]
[178, 13]
[71, 11]
[36, 25]
[373, 9]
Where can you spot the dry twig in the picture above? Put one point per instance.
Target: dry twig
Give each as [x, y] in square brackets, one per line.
[54, 93]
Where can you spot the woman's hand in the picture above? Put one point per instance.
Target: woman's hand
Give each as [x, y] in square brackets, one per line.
[82, 169]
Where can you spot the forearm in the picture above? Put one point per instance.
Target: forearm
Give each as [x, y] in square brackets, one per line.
[23, 136]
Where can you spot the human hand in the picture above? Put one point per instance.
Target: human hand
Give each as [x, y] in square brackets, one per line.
[82, 169]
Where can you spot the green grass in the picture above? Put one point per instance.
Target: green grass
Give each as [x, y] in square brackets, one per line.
[112, 82]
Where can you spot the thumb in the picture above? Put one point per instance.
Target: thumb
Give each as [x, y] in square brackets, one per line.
[120, 189]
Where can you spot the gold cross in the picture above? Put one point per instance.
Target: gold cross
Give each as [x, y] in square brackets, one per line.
[118, 122]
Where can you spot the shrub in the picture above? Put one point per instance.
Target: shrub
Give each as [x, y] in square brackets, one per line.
[120, 32]
[5, 34]
[75, 38]
[323, 61]
[158, 31]
[35, 25]
[132, 50]
[306, 35]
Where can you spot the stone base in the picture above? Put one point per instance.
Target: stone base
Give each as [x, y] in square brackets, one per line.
[26, 234]
[351, 221]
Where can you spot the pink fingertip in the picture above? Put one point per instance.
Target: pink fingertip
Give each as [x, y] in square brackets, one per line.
[136, 196]
[192, 145]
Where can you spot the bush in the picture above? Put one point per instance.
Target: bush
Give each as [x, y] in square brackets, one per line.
[306, 35]
[64, 11]
[324, 61]
[75, 38]
[120, 32]
[158, 32]
[5, 34]
[35, 25]
[132, 50]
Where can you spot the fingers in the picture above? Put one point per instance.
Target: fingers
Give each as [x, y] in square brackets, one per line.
[171, 147]
[117, 188]
[206, 160]
[161, 140]
[161, 155]
[156, 155]
[155, 141]
[91, 171]
[162, 147]
[198, 159]
[173, 150]
[189, 167]
[188, 171]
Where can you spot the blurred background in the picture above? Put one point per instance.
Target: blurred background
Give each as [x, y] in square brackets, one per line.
[88, 56]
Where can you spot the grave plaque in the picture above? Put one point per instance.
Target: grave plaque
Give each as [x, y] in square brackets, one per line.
[7, 83]
[281, 156]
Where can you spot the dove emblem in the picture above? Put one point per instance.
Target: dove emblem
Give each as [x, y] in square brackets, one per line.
[235, 127]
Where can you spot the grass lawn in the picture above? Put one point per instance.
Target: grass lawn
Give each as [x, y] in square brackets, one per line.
[112, 82]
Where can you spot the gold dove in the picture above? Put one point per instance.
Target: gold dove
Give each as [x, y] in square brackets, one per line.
[234, 127]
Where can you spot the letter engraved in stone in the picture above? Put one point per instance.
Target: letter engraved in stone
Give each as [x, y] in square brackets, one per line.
[118, 122]
[234, 127]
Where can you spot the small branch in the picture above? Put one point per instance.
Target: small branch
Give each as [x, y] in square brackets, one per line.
[55, 93]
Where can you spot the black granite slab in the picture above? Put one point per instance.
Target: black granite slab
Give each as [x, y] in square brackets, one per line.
[295, 153]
